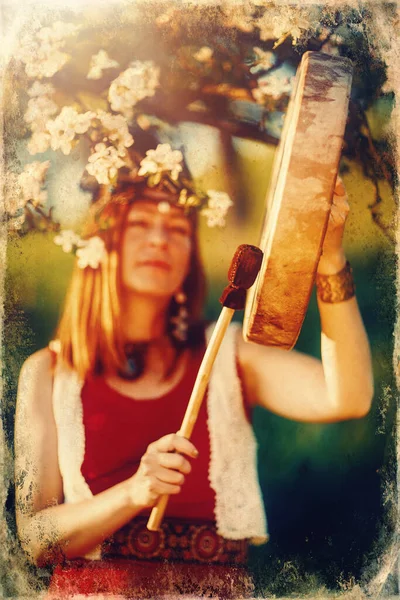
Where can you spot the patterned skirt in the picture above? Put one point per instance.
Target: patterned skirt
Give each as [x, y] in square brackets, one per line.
[183, 559]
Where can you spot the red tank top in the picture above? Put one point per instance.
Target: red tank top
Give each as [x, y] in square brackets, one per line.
[118, 430]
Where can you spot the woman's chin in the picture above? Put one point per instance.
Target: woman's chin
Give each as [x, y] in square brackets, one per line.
[151, 289]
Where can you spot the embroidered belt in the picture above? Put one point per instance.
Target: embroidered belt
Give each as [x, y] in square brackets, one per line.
[176, 541]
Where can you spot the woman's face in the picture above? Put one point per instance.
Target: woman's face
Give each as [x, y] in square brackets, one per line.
[156, 249]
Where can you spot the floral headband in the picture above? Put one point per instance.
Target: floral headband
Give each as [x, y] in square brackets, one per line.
[162, 169]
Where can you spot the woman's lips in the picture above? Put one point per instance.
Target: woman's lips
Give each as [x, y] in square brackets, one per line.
[158, 264]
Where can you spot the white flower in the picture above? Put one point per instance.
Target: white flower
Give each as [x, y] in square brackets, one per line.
[46, 63]
[57, 33]
[41, 89]
[100, 62]
[163, 158]
[39, 142]
[40, 108]
[117, 128]
[83, 121]
[264, 60]
[19, 189]
[37, 170]
[65, 126]
[282, 24]
[266, 25]
[41, 58]
[41, 51]
[204, 54]
[132, 85]
[67, 239]
[62, 130]
[217, 208]
[104, 163]
[91, 253]
[239, 16]
[31, 181]
[272, 85]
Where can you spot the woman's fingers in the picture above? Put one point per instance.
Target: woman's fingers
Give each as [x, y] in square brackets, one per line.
[340, 190]
[174, 461]
[169, 475]
[161, 487]
[163, 468]
[174, 443]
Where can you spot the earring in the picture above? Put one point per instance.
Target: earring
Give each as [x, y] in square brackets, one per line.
[180, 322]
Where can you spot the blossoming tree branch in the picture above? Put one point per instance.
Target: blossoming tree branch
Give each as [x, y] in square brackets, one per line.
[230, 67]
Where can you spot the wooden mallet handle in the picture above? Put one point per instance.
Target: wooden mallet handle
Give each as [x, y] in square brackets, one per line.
[242, 274]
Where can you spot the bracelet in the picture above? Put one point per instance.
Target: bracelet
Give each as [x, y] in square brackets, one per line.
[337, 287]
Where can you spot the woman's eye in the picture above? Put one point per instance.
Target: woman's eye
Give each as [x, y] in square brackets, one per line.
[138, 223]
[181, 229]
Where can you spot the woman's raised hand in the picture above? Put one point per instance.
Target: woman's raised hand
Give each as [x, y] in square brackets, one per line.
[333, 257]
[162, 470]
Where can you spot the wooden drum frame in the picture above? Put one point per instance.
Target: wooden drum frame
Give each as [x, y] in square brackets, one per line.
[299, 200]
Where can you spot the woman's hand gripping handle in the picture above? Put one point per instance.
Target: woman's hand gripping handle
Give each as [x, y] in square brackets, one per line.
[162, 469]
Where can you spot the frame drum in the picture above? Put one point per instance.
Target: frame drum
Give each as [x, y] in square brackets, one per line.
[299, 200]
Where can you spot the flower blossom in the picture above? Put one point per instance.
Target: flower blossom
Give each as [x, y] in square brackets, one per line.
[104, 163]
[57, 33]
[132, 85]
[98, 63]
[91, 252]
[264, 60]
[117, 129]
[217, 208]
[39, 142]
[281, 25]
[31, 181]
[162, 159]
[19, 189]
[40, 52]
[240, 17]
[67, 239]
[204, 54]
[40, 108]
[65, 126]
[40, 89]
[274, 86]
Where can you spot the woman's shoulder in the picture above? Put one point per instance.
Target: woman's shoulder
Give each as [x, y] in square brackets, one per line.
[39, 364]
[35, 384]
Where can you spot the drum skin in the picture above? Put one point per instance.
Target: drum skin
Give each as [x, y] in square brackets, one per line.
[299, 200]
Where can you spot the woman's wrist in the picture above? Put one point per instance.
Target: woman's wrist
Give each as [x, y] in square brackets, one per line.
[332, 262]
[129, 497]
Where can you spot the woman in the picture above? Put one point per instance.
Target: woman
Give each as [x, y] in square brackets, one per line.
[101, 445]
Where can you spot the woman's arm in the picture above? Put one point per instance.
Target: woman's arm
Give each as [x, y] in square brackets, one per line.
[50, 530]
[300, 387]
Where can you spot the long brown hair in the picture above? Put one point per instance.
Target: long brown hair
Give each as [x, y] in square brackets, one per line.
[90, 329]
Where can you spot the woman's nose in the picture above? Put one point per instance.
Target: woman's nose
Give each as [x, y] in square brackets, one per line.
[158, 236]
